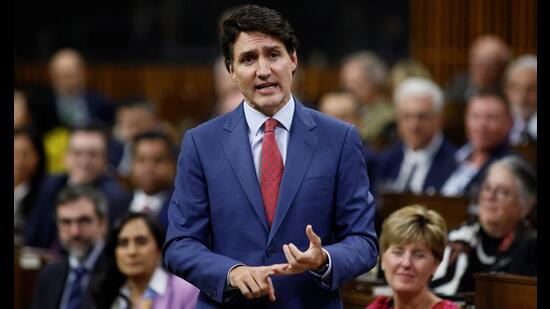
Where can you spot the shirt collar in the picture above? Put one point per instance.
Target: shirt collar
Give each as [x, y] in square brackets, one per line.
[159, 281]
[157, 284]
[256, 119]
[89, 261]
[464, 152]
[428, 151]
[161, 196]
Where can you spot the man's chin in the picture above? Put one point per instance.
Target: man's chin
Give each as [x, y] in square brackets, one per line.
[79, 252]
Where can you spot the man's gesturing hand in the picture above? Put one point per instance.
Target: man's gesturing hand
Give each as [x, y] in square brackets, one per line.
[299, 261]
[253, 282]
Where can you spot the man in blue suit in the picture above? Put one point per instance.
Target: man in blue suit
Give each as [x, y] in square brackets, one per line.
[424, 159]
[271, 206]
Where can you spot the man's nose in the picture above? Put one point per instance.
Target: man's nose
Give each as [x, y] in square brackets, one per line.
[264, 69]
[74, 229]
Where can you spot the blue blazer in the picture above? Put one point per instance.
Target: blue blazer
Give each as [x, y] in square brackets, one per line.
[443, 164]
[217, 220]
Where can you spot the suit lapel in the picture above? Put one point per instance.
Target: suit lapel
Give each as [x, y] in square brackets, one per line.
[301, 146]
[237, 148]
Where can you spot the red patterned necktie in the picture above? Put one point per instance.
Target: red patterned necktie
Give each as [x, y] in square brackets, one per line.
[272, 169]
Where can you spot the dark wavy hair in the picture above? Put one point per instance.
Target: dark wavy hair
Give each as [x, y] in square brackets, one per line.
[106, 285]
[34, 137]
[254, 18]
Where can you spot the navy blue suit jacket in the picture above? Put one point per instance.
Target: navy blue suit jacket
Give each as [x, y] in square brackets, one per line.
[41, 229]
[443, 164]
[217, 219]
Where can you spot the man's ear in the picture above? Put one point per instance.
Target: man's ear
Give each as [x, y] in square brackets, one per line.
[232, 73]
[293, 60]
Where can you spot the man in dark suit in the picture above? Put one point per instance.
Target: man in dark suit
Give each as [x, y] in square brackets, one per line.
[152, 174]
[488, 121]
[271, 206]
[424, 159]
[82, 218]
[86, 162]
[73, 103]
[488, 58]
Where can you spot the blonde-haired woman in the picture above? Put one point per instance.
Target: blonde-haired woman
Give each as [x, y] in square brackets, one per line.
[412, 243]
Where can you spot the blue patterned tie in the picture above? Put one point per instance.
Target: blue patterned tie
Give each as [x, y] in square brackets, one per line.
[75, 296]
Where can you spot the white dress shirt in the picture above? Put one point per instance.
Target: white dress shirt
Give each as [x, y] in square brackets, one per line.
[153, 202]
[422, 158]
[459, 179]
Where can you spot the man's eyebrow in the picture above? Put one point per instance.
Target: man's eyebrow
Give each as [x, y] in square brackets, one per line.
[272, 47]
[247, 53]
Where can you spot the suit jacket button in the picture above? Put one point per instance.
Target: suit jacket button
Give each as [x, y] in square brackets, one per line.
[269, 252]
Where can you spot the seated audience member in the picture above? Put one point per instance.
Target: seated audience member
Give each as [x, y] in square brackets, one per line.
[341, 105]
[134, 116]
[424, 159]
[488, 58]
[153, 172]
[488, 121]
[364, 74]
[344, 105]
[28, 173]
[81, 216]
[75, 105]
[405, 69]
[228, 95]
[412, 243]
[86, 162]
[21, 114]
[499, 240]
[132, 276]
[521, 91]
[68, 104]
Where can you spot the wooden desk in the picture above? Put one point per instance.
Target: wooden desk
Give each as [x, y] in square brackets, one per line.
[27, 263]
[357, 294]
[505, 291]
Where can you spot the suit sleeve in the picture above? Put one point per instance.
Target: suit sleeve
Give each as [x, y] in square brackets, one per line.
[355, 247]
[186, 251]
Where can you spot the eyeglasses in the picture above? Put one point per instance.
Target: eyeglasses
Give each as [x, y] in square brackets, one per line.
[500, 192]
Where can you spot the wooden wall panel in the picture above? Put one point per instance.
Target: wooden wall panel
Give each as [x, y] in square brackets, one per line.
[184, 95]
[442, 31]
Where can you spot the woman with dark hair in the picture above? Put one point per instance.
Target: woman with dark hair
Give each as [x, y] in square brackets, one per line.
[28, 171]
[132, 275]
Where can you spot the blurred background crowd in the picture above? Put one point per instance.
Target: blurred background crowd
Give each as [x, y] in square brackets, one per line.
[439, 91]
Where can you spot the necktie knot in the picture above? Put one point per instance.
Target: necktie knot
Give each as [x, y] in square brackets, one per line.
[79, 271]
[270, 125]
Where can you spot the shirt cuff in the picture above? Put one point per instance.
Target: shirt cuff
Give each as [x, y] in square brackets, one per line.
[230, 269]
[324, 277]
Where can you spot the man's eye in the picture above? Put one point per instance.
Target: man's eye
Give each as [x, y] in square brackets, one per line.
[247, 60]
